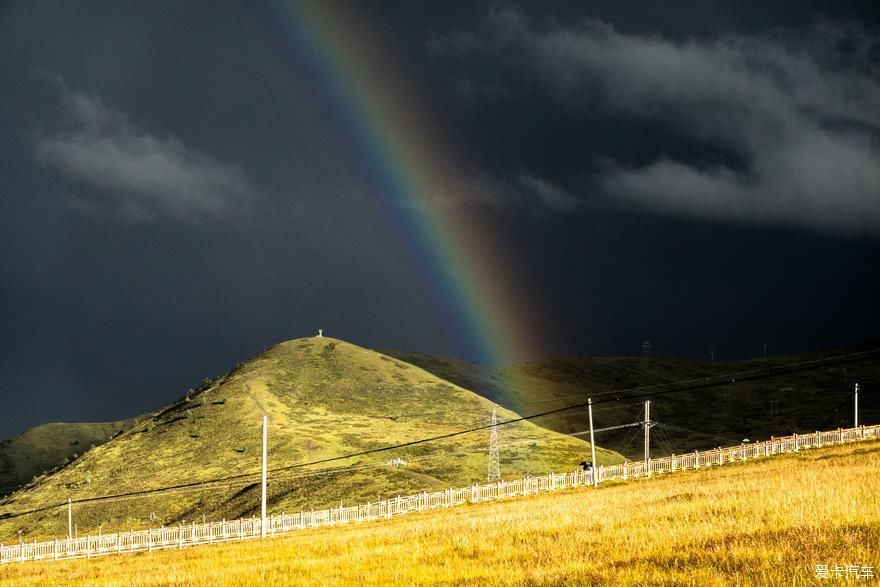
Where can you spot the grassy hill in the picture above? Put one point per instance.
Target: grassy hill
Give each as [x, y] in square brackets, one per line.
[727, 525]
[45, 447]
[700, 420]
[326, 398]
[705, 418]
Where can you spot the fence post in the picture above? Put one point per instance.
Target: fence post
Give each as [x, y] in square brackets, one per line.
[696, 459]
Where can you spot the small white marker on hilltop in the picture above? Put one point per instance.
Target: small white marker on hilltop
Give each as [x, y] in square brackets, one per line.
[320, 332]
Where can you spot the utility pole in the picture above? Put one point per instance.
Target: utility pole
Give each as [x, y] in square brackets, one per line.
[263, 488]
[647, 436]
[856, 420]
[494, 473]
[712, 355]
[765, 351]
[595, 467]
[69, 519]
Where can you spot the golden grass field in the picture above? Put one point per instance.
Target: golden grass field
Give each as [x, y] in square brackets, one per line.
[767, 522]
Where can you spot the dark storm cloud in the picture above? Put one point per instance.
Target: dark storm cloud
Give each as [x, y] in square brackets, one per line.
[519, 192]
[796, 119]
[175, 119]
[141, 176]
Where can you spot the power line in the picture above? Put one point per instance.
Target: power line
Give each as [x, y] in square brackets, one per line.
[713, 381]
[689, 431]
[230, 484]
[837, 409]
[708, 382]
[583, 432]
[721, 380]
[629, 441]
[665, 442]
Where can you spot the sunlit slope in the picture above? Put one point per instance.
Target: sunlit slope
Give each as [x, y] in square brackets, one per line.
[704, 418]
[45, 447]
[764, 522]
[325, 398]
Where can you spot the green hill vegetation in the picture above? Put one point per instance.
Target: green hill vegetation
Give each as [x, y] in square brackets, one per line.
[325, 398]
[710, 417]
[696, 419]
[48, 446]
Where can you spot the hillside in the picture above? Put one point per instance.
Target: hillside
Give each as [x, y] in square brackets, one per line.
[727, 525]
[705, 418]
[326, 398]
[722, 415]
[48, 446]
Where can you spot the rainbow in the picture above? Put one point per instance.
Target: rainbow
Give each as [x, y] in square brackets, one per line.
[403, 157]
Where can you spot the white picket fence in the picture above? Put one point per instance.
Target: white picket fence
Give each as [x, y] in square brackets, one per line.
[224, 531]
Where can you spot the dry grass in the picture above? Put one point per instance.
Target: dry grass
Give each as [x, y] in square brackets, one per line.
[768, 522]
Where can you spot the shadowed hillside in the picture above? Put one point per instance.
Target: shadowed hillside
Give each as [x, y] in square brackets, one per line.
[723, 415]
[45, 447]
[325, 398]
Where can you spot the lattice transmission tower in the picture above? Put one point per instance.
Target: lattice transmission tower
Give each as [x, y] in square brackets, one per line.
[494, 461]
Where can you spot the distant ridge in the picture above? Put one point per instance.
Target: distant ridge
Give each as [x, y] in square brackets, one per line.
[48, 446]
[802, 402]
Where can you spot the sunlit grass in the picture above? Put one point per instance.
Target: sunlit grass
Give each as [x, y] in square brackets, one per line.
[762, 522]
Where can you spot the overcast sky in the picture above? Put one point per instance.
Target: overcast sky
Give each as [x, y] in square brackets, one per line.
[175, 198]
